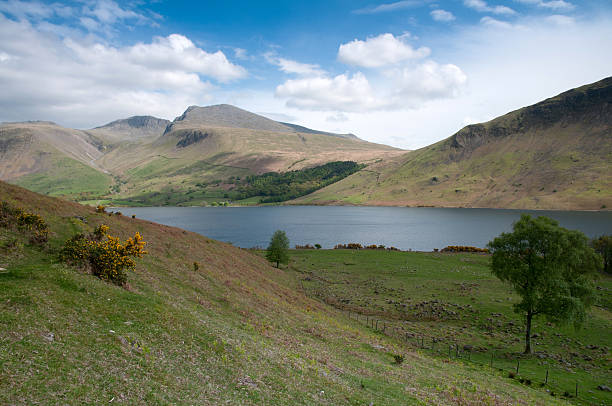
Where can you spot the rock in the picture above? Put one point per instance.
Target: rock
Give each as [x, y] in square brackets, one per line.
[604, 388]
[536, 335]
[247, 381]
[49, 337]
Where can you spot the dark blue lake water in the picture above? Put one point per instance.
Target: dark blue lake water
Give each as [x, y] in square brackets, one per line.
[402, 227]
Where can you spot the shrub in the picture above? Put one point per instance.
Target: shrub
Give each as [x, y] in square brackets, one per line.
[25, 221]
[196, 266]
[511, 375]
[100, 209]
[103, 254]
[398, 359]
[462, 248]
[318, 246]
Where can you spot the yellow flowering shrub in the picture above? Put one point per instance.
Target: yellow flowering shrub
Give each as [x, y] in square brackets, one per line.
[24, 220]
[106, 256]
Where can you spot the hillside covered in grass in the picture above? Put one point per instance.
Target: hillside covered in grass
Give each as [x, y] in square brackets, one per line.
[555, 154]
[232, 330]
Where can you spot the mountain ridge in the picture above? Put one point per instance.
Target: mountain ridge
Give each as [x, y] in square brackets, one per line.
[554, 154]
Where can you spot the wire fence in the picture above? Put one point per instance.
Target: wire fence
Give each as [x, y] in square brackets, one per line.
[466, 353]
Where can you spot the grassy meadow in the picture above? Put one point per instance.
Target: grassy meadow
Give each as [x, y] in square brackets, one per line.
[452, 301]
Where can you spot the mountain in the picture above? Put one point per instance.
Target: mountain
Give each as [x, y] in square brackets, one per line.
[147, 160]
[555, 154]
[132, 127]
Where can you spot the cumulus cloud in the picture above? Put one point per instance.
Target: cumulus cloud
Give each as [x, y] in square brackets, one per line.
[395, 89]
[493, 22]
[442, 15]
[383, 8]
[78, 82]
[483, 7]
[385, 49]
[556, 5]
[342, 92]
[290, 66]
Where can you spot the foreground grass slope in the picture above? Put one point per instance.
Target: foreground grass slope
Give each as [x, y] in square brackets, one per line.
[555, 154]
[235, 330]
[454, 299]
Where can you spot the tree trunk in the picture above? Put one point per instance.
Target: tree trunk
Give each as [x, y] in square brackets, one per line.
[528, 333]
[277, 264]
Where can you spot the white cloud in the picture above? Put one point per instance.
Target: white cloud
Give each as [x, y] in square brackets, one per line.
[556, 5]
[383, 8]
[340, 93]
[427, 81]
[483, 7]
[81, 83]
[23, 10]
[240, 53]
[493, 22]
[109, 12]
[442, 15]
[290, 66]
[395, 89]
[561, 20]
[379, 51]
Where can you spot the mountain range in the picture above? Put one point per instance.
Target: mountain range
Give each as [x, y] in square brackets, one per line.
[555, 154]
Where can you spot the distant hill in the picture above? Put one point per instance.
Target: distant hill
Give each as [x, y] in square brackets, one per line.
[142, 157]
[556, 154]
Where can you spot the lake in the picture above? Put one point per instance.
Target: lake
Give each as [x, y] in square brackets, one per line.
[421, 229]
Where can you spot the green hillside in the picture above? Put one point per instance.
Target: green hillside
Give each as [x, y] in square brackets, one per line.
[553, 155]
[233, 331]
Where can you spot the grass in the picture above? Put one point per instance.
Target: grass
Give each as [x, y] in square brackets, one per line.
[454, 299]
[67, 177]
[236, 331]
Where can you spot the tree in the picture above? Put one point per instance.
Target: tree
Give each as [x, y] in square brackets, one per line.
[550, 267]
[278, 249]
[603, 246]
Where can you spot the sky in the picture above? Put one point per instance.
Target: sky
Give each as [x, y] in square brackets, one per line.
[404, 73]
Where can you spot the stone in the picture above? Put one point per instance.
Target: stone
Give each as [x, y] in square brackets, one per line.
[604, 388]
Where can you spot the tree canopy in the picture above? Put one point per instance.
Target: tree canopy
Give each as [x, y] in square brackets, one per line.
[550, 267]
[278, 249]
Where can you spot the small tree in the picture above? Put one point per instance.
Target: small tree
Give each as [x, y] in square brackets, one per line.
[278, 249]
[603, 246]
[550, 267]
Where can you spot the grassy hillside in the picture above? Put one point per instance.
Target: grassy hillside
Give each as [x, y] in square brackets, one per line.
[552, 155]
[234, 331]
[454, 300]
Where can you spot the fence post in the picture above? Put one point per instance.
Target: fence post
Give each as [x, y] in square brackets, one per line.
[576, 389]
[433, 344]
[376, 324]
[456, 350]
[406, 336]
[518, 363]
[546, 380]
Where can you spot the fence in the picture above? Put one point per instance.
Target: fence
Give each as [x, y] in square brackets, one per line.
[465, 353]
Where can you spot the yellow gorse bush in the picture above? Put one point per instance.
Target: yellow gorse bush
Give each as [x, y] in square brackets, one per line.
[24, 220]
[106, 256]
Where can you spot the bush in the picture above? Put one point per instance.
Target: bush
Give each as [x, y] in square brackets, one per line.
[100, 209]
[462, 248]
[103, 254]
[25, 221]
[398, 359]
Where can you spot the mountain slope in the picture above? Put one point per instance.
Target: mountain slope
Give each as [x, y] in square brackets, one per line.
[130, 128]
[234, 331]
[555, 154]
[143, 155]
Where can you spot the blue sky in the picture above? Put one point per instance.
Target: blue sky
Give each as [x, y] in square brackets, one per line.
[405, 73]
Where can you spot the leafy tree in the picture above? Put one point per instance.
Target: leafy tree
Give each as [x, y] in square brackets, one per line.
[550, 267]
[278, 250]
[603, 246]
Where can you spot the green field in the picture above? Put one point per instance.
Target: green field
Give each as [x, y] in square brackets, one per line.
[234, 331]
[452, 300]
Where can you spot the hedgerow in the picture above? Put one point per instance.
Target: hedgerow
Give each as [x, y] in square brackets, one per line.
[106, 256]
